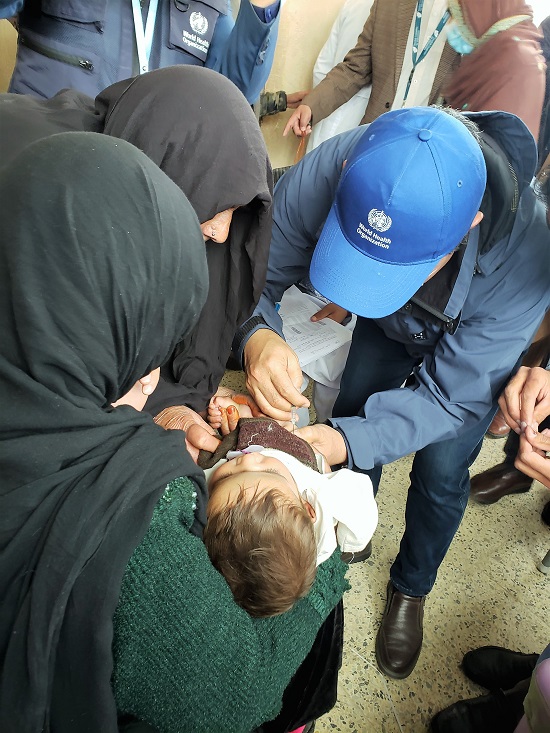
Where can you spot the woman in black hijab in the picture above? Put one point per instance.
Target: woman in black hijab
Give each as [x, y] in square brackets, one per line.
[88, 224]
[200, 130]
[102, 272]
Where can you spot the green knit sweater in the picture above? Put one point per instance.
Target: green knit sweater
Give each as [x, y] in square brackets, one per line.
[187, 659]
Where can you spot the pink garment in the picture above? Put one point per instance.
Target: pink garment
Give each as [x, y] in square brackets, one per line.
[537, 702]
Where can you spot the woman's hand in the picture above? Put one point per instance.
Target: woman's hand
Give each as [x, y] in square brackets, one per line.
[532, 458]
[526, 399]
[332, 311]
[299, 122]
[198, 434]
[325, 440]
[273, 375]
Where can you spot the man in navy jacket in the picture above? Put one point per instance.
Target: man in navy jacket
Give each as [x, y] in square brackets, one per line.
[90, 44]
[436, 241]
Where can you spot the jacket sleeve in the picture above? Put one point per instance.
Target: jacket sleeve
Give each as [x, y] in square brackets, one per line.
[9, 8]
[458, 383]
[346, 78]
[187, 658]
[301, 203]
[244, 51]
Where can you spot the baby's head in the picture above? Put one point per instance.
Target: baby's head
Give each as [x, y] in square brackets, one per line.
[259, 534]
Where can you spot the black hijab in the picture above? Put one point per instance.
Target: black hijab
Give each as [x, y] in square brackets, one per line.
[25, 119]
[102, 271]
[199, 129]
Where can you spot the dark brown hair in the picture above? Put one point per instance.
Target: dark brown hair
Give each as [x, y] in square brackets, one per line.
[265, 548]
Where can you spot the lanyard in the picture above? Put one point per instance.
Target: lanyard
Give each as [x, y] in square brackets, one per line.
[144, 38]
[416, 59]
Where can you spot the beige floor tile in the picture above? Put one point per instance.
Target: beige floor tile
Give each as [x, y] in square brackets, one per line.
[488, 592]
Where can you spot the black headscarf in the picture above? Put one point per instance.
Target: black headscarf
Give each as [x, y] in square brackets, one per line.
[199, 129]
[102, 271]
[25, 119]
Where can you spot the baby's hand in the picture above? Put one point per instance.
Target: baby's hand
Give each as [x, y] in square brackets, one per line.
[226, 408]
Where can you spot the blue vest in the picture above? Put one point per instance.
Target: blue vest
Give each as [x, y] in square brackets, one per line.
[90, 44]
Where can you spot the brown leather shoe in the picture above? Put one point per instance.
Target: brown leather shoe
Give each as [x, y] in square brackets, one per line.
[499, 428]
[498, 481]
[399, 638]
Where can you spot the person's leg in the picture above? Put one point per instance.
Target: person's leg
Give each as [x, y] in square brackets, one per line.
[375, 364]
[511, 448]
[436, 502]
[435, 505]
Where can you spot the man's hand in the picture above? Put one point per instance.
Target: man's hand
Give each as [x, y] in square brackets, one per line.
[325, 440]
[295, 99]
[526, 399]
[299, 121]
[332, 311]
[198, 434]
[531, 458]
[273, 374]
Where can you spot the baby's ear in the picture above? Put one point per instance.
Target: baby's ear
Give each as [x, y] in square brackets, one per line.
[310, 510]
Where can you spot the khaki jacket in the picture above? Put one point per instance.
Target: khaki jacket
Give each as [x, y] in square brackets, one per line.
[377, 59]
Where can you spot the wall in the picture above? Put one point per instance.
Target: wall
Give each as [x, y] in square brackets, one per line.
[8, 45]
[304, 28]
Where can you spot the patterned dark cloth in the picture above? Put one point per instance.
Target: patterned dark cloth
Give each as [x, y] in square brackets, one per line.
[262, 431]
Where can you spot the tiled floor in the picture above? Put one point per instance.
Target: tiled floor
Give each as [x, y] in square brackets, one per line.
[489, 591]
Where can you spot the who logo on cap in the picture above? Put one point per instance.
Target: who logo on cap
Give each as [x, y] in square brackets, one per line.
[408, 195]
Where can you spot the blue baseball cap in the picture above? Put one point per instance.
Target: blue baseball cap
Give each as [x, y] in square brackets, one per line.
[407, 196]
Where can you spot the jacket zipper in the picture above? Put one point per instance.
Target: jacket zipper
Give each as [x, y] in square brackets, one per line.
[57, 55]
[433, 311]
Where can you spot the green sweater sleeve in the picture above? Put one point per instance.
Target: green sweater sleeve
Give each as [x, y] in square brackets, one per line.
[186, 657]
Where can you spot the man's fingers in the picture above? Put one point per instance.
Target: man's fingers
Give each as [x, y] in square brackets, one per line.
[540, 441]
[282, 395]
[270, 403]
[332, 311]
[513, 423]
[290, 123]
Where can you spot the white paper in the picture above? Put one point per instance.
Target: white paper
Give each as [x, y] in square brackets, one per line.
[310, 340]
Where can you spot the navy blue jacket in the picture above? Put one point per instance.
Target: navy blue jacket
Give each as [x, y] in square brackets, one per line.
[90, 44]
[470, 337]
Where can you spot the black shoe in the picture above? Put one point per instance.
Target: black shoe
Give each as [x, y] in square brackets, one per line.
[497, 712]
[351, 557]
[545, 514]
[496, 668]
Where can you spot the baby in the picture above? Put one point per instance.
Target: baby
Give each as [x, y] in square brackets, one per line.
[273, 516]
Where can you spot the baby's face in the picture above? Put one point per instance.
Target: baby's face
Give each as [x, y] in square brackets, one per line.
[256, 473]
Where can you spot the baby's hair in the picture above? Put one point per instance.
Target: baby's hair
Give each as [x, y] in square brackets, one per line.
[265, 548]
